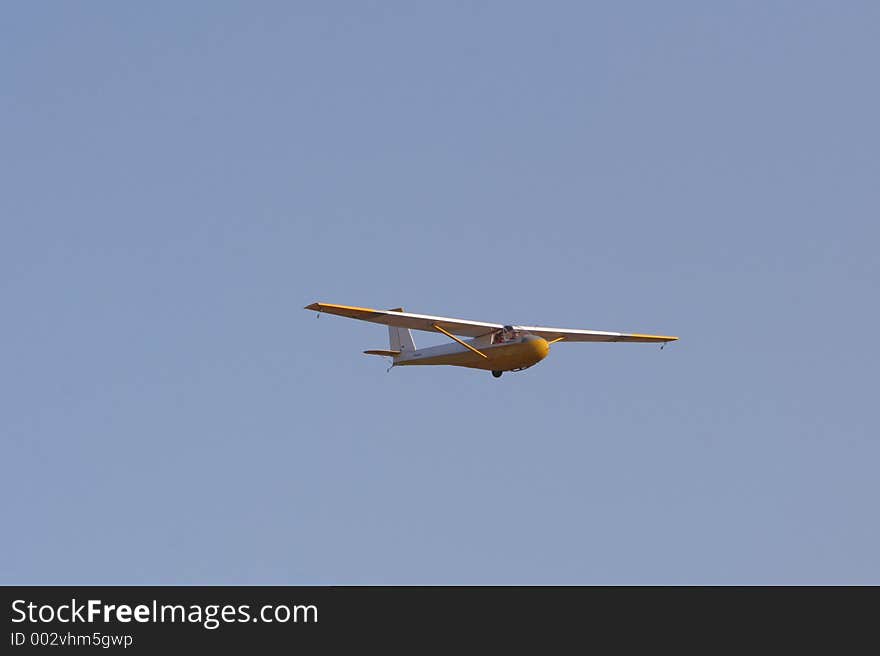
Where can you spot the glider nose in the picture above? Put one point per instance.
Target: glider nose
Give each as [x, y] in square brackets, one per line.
[538, 346]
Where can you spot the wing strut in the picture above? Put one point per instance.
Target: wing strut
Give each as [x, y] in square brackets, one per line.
[465, 344]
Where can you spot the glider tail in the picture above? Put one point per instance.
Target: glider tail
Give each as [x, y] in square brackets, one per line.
[401, 339]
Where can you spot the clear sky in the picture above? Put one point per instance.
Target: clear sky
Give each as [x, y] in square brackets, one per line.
[180, 179]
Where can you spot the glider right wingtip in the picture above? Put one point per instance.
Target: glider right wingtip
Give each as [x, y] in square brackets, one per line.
[651, 338]
[313, 306]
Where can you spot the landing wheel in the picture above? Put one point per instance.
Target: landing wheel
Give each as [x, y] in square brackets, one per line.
[497, 374]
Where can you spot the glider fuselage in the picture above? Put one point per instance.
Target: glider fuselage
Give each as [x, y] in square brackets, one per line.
[518, 353]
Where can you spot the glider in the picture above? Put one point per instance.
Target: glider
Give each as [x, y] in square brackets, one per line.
[493, 346]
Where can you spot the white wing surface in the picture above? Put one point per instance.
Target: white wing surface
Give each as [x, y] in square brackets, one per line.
[477, 328]
[408, 320]
[574, 335]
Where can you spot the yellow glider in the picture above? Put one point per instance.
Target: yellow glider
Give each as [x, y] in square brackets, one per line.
[493, 346]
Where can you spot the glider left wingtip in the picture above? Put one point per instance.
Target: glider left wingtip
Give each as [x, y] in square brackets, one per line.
[313, 306]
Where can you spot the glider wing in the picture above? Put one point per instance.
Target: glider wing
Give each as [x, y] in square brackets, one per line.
[574, 335]
[408, 320]
[477, 328]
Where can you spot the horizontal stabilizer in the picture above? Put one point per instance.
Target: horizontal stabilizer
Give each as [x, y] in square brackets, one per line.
[389, 354]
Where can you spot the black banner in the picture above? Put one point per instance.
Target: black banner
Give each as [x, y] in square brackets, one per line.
[150, 619]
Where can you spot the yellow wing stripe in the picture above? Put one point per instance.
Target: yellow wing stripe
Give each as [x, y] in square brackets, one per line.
[652, 338]
[340, 309]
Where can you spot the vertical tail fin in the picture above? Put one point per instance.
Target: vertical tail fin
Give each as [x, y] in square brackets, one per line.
[401, 339]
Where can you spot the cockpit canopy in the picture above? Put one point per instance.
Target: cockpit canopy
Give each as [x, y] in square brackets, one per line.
[506, 334]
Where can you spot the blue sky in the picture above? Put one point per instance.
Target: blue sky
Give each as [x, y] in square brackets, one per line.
[180, 179]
